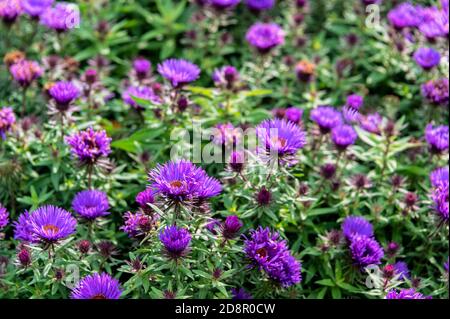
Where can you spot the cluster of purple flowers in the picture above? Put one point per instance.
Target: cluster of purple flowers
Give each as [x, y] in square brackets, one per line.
[7, 120]
[268, 252]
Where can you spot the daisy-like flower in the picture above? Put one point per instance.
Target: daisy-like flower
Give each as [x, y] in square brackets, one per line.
[326, 117]
[51, 224]
[437, 137]
[138, 224]
[7, 120]
[436, 91]
[91, 204]
[404, 15]
[427, 58]
[265, 36]
[371, 123]
[89, 145]
[142, 93]
[405, 294]
[439, 176]
[10, 10]
[294, 115]
[226, 134]
[63, 94]
[62, 17]
[260, 5]
[35, 8]
[365, 251]
[23, 230]
[179, 72]
[146, 197]
[97, 286]
[281, 137]
[176, 241]
[356, 225]
[25, 72]
[4, 217]
[142, 68]
[343, 136]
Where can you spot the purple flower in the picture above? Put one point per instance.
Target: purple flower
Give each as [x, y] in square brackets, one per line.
[240, 294]
[436, 91]
[208, 187]
[371, 123]
[7, 120]
[401, 269]
[440, 197]
[356, 225]
[437, 138]
[354, 101]
[351, 108]
[365, 251]
[4, 217]
[64, 93]
[225, 134]
[36, 7]
[138, 224]
[225, 76]
[142, 93]
[97, 286]
[434, 22]
[260, 5]
[51, 224]
[213, 225]
[25, 72]
[405, 294]
[91, 204]
[63, 17]
[404, 15]
[427, 58]
[294, 115]
[23, 230]
[179, 72]
[343, 136]
[146, 197]
[326, 117]
[176, 241]
[224, 4]
[265, 36]
[439, 176]
[280, 136]
[267, 251]
[142, 67]
[10, 10]
[89, 145]
[231, 227]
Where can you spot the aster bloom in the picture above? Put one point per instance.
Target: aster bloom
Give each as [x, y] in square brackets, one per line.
[268, 252]
[436, 91]
[4, 217]
[138, 224]
[91, 204]
[356, 225]
[23, 229]
[142, 93]
[97, 286]
[224, 4]
[208, 187]
[260, 5]
[231, 227]
[427, 58]
[404, 15]
[240, 294]
[437, 137]
[146, 197]
[434, 22]
[51, 224]
[213, 225]
[89, 145]
[405, 294]
[7, 120]
[440, 197]
[226, 77]
[439, 176]
[64, 93]
[179, 72]
[326, 117]
[35, 8]
[237, 162]
[265, 36]
[354, 101]
[62, 17]
[142, 67]
[10, 10]
[281, 137]
[401, 270]
[226, 134]
[176, 241]
[371, 123]
[343, 136]
[351, 108]
[294, 115]
[25, 72]
[365, 251]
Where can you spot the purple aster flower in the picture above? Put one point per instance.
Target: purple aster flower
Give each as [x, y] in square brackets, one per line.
[294, 115]
[208, 187]
[224, 4]
[356, 225]
[23, 230]
[231, 227]
[405, 294]
[142, 93]
[401, 269]
[51, 224]
[176, 241]
[25, 72]
[436, 91]
[7, 120]
[434, 23]
[213, 225]
[343, 136]
[280, 136]
[437, 137]
[354, 101]
[63, 17]
[267, 251]
[326, 117]
[97, 286]
[179, 72]
[10, 10]
[64, 93]
[142, 67]
[225, 134]
[265, 36]
[138, 224]
[146, 197]
[91, 204]
[439, 176]
[404, 15]
[36, 7]
[371, 123]
[237, 162]
[365, 251]
[260, 5]
[4, 217]
[89, 145]
[440, 197]
[351, 108]
[427, 58]
[240, 294]
[225, 77]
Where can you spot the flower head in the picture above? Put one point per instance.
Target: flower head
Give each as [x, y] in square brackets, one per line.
[224, 4]
[141, 93]
[343, 136]
[64, 93]
[23, 230]
[440, 197]
[176, 241]
[231, 227]
[146, 197]
[401, 270]
[265, 36]
[36, 7]
[436, 91]
[437, 138]
[260, 5]
[7, 120]
[4, 217]
[10, 10]
[404, 15]
[91, 204]
[427, 58]
[138, 224]
[142, 67]
[25, 72]
[371, 123]
[354, 101]
[365, 251]
[240, 294]
[97, 286]
[405, 294]
[326, 117]
[356, 225]
[179, 72]
[439, 176]
[225, 77]
[89, 145]
[294, 115]
[62, 17]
